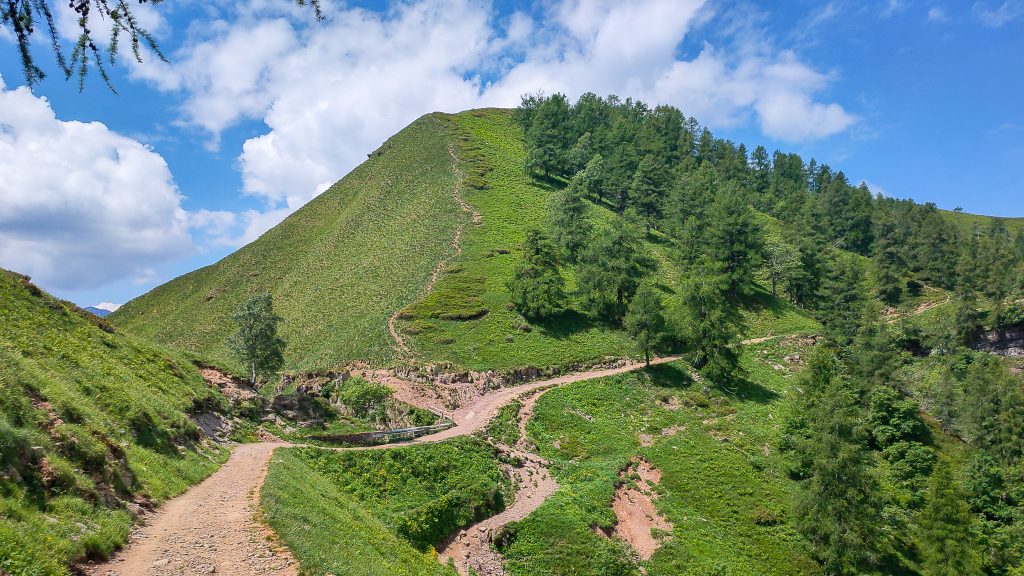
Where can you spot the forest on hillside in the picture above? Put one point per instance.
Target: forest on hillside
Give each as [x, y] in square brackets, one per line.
[907, 443]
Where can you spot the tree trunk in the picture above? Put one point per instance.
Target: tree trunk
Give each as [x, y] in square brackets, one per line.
[774, 280]
[253, 371]
[647, 356]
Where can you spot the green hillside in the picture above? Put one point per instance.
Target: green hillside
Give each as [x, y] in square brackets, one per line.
[337, 268]
[968, 222]
[510, 202]
[364, 249]
[90, 422]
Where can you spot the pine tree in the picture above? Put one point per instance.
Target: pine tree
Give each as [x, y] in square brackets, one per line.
[734, 238]
[946, 533]
[840, 507]
[568, 214]
[645, 322]
[647, 192]
[537, 287]
[712, 326]
[611, 269]
[256, 343]
[547, 137]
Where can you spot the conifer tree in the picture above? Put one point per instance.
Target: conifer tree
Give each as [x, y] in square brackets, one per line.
[712, 326]
[537, 287]
[734, 238]
[611, 269]
[946, 533]
[645, 322]
[647, 191]
[546, 138]
[843, 291]
[568, 214]
[840, 507]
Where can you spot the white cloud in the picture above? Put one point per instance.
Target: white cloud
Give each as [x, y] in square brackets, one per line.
[82, 205]
[938, 15]
[331, 92]
[996, 17]
[893, 7]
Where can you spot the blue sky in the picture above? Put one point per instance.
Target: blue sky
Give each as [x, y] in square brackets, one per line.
[260, 109]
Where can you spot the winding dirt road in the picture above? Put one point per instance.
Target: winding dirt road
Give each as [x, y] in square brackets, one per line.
[210, 529]
[213, 528]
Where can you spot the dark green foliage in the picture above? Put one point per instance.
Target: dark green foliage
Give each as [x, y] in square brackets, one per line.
[843, 298]
[547, 136]
[840, 510]
[537, 287]
[568, 212]
[647, 191]
[711, 328]
[256, 344]
[645, 321]
[733, 238]
[946, 528]
[611, 268]
[993, 408]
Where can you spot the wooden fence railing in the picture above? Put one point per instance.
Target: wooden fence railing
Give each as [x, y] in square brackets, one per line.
[381, 436]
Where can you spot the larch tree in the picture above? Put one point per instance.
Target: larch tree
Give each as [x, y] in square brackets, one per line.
[645, 321]
[840, 507]
[537, 287]
[946, 528]
[568, 216]
[611, 269]
[647, 191]
[712, 327]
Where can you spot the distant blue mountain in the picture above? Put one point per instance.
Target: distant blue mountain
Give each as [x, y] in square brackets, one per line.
[97, 311]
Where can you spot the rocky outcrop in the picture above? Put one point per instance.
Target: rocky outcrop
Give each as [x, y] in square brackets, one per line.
[1004, 342]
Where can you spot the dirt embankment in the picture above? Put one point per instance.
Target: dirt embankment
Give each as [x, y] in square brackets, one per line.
[637, 518]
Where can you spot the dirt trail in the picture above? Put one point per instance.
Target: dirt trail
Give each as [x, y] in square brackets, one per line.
[456, 244]
[471, 549]
[211, 529]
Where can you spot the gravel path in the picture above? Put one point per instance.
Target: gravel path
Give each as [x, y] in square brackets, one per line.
[210, 529]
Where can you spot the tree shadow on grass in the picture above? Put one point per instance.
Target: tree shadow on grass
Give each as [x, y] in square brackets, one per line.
[747, 390]
[761, 299]
[567, 323]
[673, 375]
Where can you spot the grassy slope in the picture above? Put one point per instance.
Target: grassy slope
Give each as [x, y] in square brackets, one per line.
[510, 205]
[381, 507]
[116, 415]
[968, 222]
[337, 267]
[721, 473]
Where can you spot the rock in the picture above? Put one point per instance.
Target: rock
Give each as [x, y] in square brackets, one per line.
[162, 562]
